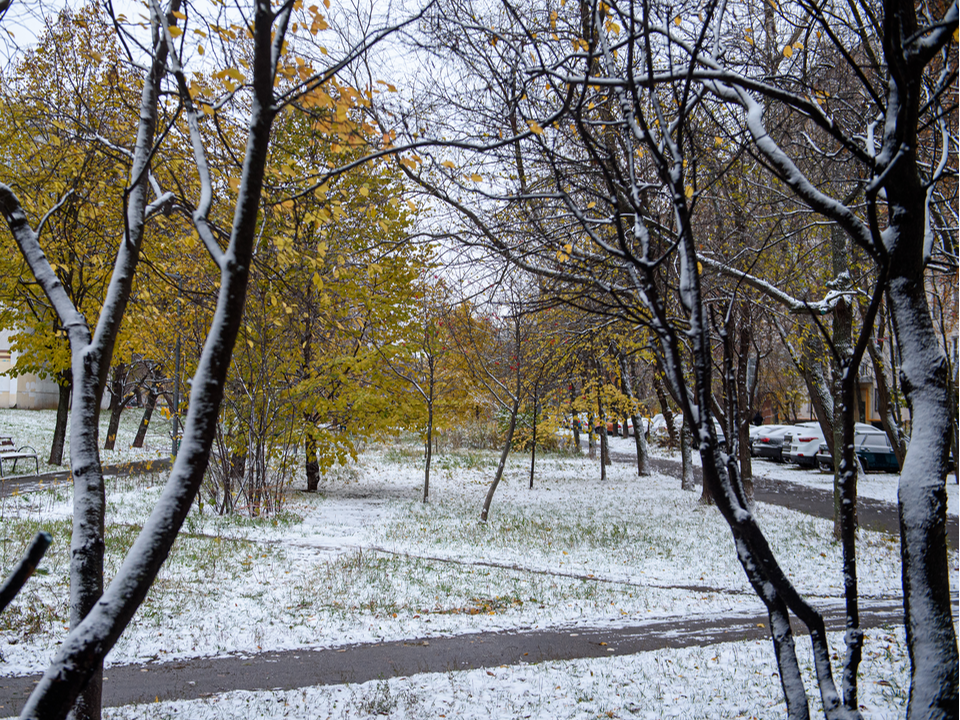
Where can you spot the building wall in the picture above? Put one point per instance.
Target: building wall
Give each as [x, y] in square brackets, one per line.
[26, 391]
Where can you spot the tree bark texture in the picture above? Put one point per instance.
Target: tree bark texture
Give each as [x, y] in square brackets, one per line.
[64, 392]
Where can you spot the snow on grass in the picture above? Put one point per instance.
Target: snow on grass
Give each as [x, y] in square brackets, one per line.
[364, 560]
[35, 429]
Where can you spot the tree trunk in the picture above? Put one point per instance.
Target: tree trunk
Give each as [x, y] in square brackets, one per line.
[117, 404]
[666, 411]
[687, 481]
[821, 393]
[575, 418]
[638, 430]
[744, 415]
[148, 409]
[533, 449]
[429, 449]
[891, 427]
[604, 447]
[64, 390]
[591, 443]
[312, 464]
[503, 460]
[87, 541]
[922, 496]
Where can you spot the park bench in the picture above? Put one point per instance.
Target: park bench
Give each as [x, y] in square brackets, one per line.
[9, 452]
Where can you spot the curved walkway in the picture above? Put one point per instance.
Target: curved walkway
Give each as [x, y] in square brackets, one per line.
[190, 679]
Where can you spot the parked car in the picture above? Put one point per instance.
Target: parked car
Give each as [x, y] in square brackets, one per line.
[871, 446]
[721, 436]
[801, 443]
[755, 430]
[876, 453]
[768, 443]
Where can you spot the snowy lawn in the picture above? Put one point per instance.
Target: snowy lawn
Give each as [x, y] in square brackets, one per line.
[364, 560]
[35, 428]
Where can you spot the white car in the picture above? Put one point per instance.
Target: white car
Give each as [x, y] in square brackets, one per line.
[804, 443]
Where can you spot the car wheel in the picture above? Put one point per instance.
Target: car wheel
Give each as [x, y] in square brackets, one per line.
[865, 465]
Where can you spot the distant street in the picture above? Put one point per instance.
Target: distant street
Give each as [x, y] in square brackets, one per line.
[874, 514]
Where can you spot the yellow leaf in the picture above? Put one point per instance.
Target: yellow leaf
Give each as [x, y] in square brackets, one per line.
[448, 164]
[591, 205]
[689, 191]
[179, 15]
[476, 177]
[535, 127]
[175, 31]
[699, 267]
[676, 20]
[788, 51]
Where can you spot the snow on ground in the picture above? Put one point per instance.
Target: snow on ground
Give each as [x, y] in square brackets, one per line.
[364, 560]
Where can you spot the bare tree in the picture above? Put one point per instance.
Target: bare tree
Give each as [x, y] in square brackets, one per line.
[592, 178]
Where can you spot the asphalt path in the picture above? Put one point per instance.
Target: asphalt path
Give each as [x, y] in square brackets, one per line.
[190, 679]
[15, 484]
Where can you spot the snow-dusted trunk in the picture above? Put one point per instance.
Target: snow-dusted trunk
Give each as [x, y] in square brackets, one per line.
[81, 654]
[922, 497]
[818, 386]
[640, 439]
[886, 407]
[687, 481]
[64, 390]
[117, 404]
[744, 397]
[89, 503]
[923, 504]
[574, 419]
[665, 410]
[507, 443]
[148, 408]
[533, 441]
[428, 450]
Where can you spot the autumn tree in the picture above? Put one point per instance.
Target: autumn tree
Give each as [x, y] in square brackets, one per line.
[98, 617]
[65, 103]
